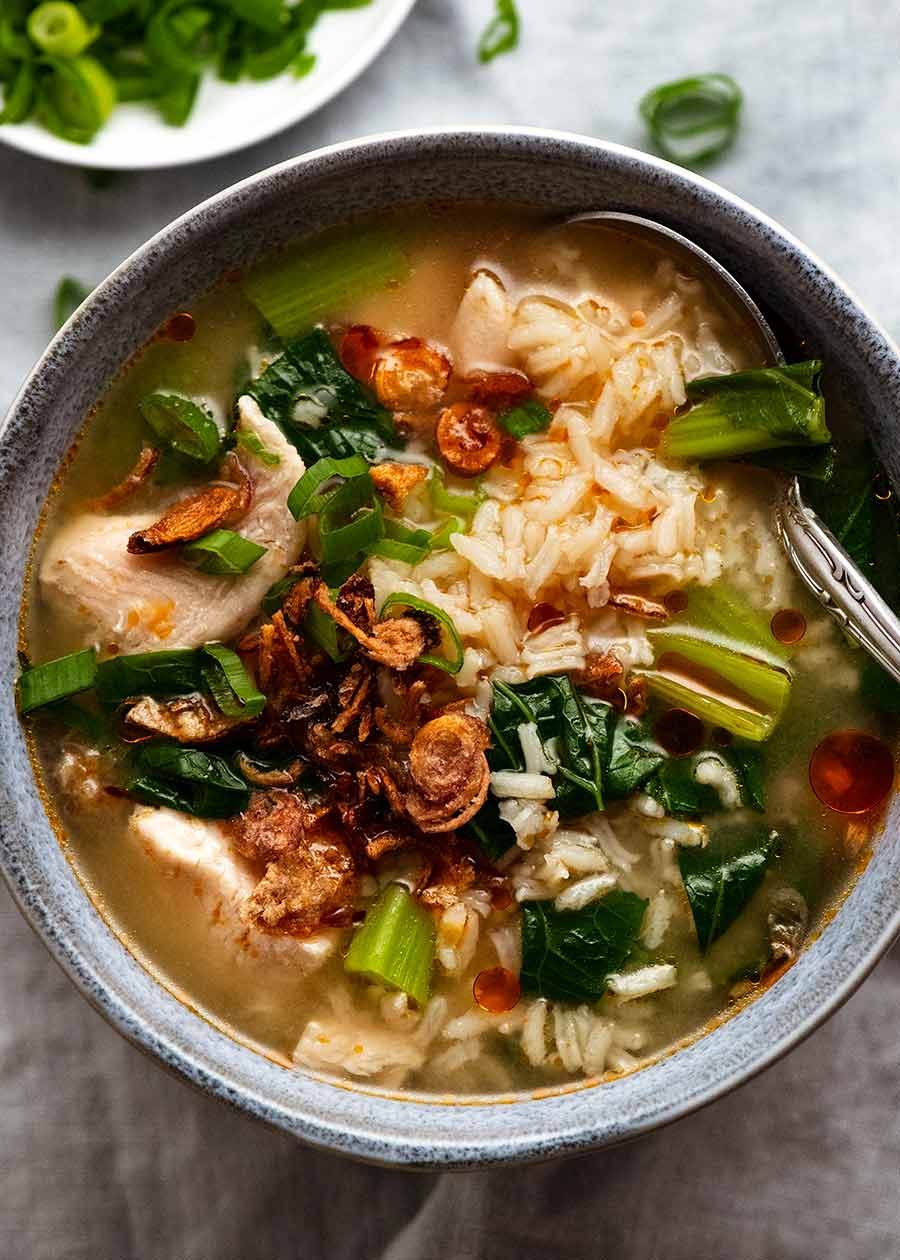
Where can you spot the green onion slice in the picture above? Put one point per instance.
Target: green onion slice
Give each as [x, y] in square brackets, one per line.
[440, 539]
[528, 417]
[69, 295]
[501, 34]
[224, 553]
[189, 780]
[76, 99]
[401, 543]
[324, 632]
[175, 672]
[450, 664]
[251, 442]
[19, 96]
[176, 37]
[350, 521]
[305, 499]
[183, 426]
[55, 680]
[693, 120]
[395, 944]
[232, 687]
[456, 504]
[59, 29]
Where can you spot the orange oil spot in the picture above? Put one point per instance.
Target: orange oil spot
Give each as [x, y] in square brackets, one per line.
[496, 990]
[680, 733]
[180, 327]
[788, 625]
[851, 771]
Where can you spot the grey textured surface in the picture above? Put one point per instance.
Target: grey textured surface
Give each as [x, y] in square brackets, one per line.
[107, 1157]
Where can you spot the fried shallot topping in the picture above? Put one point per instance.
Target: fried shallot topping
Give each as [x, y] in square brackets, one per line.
[147, 461]
[449, 772]
[639, 606]
[498, 389]
[216, 505]
[452, 873]
[305, 885]
[603, 677]
[468, 439]
[397, 642]
[395, 481]
[275, 822]
[411, 375]
[187, 719]
[276, 776]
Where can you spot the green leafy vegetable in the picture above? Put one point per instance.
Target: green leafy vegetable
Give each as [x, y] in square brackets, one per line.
[57, 28]
[224, 553]
[350, 520]
[231, 686]
[527, 417]
[568, 955]
[297, 288]
[400, 542]
[307, 497]
[693, 120]
[749, 411]
[57, 679]
[324, 410]
[676, 786]
[491, 833]
[188, 780]
[176, 672]
[501, 35]
[69, 295]
[395, 944]
[182, 426]
[455, 503]
[721, 877]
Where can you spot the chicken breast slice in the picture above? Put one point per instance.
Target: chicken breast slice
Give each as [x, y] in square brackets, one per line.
[480, 333]
[140, 603]
[198, 849]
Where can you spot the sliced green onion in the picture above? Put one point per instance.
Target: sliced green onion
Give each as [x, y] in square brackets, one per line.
[527, 417]
[350, 521]
[440, 539]
[224, 553]
[457, 504]
[746, 696]
[693, 120]
[76, 99]
[278, 593]
[251, 442]
[183, 426]
[276, 59]
[324, 632]
[176, 37]
[450, 664]
[176, 103]
[268, 15]
[306, 284]
[395, 944]
[55, 680]
[232, 687]
[19, 96]
[501, 35]
[304, 500]
[188, 780]
[303, 64]
[69, 295]
[59, 29]
[401, 543]
[175, 672]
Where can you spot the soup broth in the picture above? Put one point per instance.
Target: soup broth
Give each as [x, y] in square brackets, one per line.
[639, 666]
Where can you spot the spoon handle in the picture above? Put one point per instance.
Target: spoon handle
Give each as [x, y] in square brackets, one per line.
[826, 569]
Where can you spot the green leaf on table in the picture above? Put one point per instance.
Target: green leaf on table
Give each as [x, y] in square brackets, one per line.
[568, 955]
[69, 295]
[501, 35]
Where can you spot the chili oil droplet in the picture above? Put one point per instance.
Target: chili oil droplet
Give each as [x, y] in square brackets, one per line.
[675, 602]
[851, 771]
[180, 327]
[543, 616]
[680, 733]
[497, 990]
[788, 626]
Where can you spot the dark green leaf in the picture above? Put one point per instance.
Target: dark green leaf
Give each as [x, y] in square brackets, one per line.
[568, 955]
[676, 788]
[69, 295]
[633, 758]
[188, 780]
[721, 877]
[491, 833]
[183, 426]
[527, 417]
[173, 673]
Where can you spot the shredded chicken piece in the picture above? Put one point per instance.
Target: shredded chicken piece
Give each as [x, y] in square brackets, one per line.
[449, 771]
[305, 885]
[395, 481]
[411, 375]
[639, 606]
[397, 642]
[187, 719]
[498, 389]
[216, 505]
[147, 461]
[468, 439]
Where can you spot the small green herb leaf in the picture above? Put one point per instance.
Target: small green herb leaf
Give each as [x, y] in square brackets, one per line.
[528, 417]
[721, 877]
[69, 295]
[567, 955]
[183, 426]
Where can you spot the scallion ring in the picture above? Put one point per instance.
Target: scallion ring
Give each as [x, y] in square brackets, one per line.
[232, 687]
[306, 499]
[76, 98]
[224, 553]
[57, 679]
[693, 120]
[461, 504]
[59, 29]
[449, 664]
[350, 521]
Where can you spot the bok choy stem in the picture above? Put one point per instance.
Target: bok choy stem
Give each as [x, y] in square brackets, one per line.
[395, 944]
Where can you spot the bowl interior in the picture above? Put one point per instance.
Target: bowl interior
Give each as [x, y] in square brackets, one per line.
[563, 174]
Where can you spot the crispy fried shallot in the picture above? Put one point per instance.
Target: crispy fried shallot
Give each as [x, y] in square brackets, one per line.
[603, 677]
[278, 776]
[449, 771]
[411, 375]
[452, 873]
[190, 719]
[639, 606]
[468, 439]
[354, 697]
[216, 505]
[498, 389]
[275, 821]
[147, 461]
[395, 481]
[305, 885]
[397, 642]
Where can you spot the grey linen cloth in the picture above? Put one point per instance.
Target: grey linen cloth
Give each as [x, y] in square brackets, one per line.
[105, 1157]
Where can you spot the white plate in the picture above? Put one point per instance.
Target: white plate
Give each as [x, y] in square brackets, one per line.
[229, 116]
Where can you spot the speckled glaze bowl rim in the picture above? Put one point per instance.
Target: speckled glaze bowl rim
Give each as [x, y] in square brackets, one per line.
[368, 1125]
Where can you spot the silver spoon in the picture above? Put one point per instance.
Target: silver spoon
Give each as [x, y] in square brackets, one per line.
[818, 558]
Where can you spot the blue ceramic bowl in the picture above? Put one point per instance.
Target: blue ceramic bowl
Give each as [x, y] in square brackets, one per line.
[559, 172]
